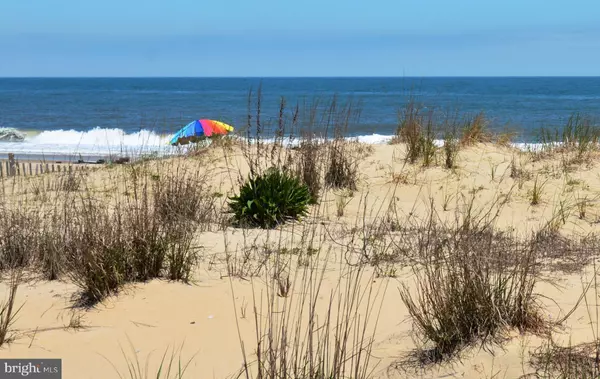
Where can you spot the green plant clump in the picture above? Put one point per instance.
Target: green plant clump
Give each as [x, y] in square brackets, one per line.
[270, 199]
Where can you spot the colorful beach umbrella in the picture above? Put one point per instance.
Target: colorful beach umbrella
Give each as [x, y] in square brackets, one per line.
[198, 130]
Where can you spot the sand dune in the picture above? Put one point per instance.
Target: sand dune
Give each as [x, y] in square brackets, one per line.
[202, 318]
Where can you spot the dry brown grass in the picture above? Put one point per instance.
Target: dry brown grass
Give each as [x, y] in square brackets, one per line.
[475, 130]
[416, 130]
[101, 244]
[564, 362]
[8, 310]
[293, 339]
[472, 285]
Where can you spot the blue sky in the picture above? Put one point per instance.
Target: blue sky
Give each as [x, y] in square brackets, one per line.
[299, 38]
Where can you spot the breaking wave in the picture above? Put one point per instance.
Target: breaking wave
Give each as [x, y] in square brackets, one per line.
[97, 141]
[99, 137]
[102, 141]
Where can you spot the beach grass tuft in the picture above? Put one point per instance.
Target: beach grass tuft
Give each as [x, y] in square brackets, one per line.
[8, 310]
[467, 291]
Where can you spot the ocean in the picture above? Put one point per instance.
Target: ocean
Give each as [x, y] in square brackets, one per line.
[93, 117]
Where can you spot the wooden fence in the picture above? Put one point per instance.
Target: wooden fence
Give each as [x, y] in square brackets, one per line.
[12, 167]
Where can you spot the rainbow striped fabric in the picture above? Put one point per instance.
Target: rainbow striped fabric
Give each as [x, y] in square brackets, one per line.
[199, 129]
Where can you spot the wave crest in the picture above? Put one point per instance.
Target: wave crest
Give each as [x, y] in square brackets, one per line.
[100, 142]
[99, 137]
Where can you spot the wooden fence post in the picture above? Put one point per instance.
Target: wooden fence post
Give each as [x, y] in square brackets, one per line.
[11, 162]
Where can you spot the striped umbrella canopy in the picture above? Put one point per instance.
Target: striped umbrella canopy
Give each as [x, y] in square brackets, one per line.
[197, 130]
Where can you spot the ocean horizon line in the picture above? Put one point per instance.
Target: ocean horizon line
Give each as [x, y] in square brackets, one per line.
[315, 77]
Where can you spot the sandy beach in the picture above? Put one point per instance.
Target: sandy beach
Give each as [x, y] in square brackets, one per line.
[350, 259]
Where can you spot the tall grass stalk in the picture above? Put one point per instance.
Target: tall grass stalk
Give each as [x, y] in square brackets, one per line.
[475, 130]
[303, 330]
[8, 312]
[579, 135]
[416, 130]
[170, 366]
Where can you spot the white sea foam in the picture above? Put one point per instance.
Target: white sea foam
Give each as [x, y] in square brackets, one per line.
[100, 141]
[378, 139]
[99, 137]
[97, 141]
